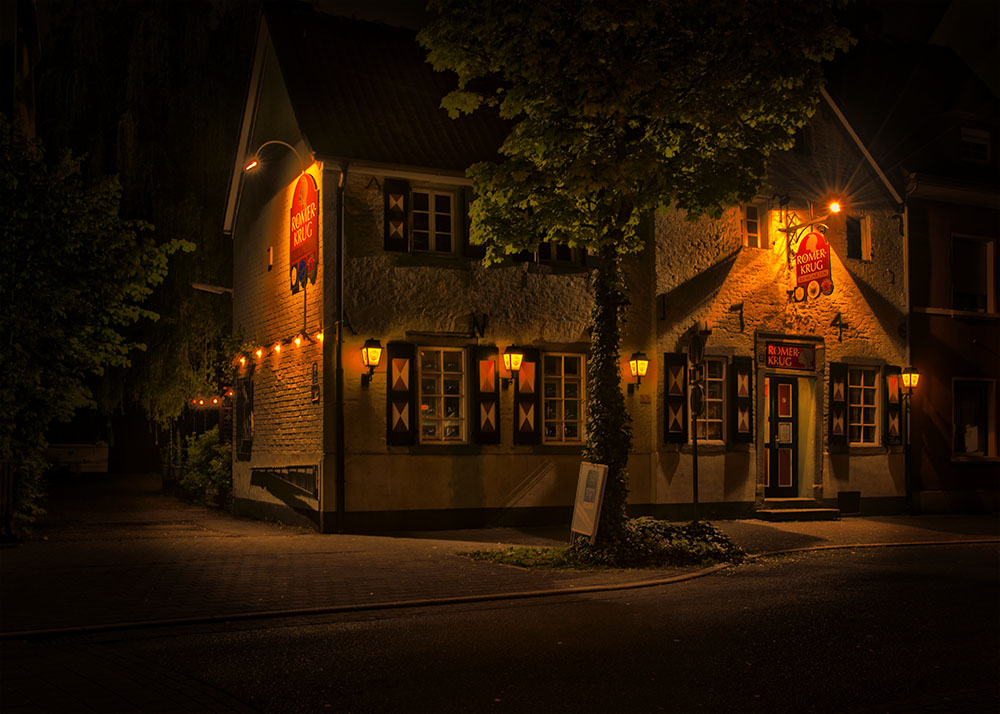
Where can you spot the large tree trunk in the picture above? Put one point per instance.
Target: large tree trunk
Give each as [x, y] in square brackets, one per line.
[609, 431]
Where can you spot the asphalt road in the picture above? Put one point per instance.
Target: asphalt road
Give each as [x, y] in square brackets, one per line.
[911, 629]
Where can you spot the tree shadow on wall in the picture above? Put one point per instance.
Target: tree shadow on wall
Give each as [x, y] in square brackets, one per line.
[699, 290]
[888, 315]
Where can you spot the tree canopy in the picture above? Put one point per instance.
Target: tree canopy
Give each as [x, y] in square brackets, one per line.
[75, 276]
[618, 107]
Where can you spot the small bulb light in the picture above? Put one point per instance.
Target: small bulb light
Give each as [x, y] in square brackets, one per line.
[835, 207]
[277, 347]
[260, 352]
[298, 340]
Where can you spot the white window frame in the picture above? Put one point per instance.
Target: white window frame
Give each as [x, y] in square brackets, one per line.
[991, 432]
[440, 395]
[581, 379]
[760, 237]
[991, 298]
[433, 218]
[875, 406]
[704, 420]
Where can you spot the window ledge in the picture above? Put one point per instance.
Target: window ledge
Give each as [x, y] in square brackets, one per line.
[715, 447]
[866, 450]
[431, 260]
[958, 314]
[444, 449]
[956, 459]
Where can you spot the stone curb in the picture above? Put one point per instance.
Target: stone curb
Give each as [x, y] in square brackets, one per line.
[455, 600]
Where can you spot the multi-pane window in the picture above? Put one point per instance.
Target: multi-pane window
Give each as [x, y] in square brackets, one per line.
[972, 411]
[709, 426]
[433, 221]
[862, 398]
[753, 223]
[442, 395]
[972, 274]
[563, 395]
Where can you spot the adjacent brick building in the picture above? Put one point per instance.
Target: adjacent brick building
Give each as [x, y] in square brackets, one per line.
[800, 377]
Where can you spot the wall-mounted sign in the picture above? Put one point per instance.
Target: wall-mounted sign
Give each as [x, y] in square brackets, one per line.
[812, 268]
[303, 233]
[785, 355]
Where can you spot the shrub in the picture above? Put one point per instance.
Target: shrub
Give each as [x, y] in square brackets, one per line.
[209, 463]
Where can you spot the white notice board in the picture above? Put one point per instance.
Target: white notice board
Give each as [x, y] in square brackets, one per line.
[589, 497]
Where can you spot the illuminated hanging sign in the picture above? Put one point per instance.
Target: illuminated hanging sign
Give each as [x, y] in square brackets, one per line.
[785, 355]
[303, 233]
[812, 268]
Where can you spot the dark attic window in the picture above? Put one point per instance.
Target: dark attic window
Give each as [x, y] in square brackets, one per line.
[859, 239]
[974, 146]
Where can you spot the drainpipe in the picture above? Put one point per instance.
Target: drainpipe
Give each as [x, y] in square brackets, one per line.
[340, 476]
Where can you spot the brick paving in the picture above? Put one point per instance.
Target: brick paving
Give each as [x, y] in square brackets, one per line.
[114, 550]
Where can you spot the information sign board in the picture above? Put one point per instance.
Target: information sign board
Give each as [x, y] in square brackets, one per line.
[589, 497]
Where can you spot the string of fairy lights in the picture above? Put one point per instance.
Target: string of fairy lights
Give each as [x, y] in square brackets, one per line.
[259, 352]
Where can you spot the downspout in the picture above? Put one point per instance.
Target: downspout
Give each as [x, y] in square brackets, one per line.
[340, 476]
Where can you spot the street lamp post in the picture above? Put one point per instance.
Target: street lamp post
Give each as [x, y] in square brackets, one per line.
[910, 378]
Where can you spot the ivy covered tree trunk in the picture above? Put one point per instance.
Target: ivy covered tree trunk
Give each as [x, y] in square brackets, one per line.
[609, 430]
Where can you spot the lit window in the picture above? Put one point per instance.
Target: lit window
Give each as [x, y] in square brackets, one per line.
[862, 400]
[973, 408]
[754, 226]
[563, 395]
[442, 395]
[972, 274]
[859, 238]
[433, 221]
[710, 425]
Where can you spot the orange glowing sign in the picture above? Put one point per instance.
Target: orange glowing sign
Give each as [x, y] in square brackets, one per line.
[812, 268]
[303, 233]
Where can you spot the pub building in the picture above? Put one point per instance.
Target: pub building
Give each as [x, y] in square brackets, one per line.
[391, 381]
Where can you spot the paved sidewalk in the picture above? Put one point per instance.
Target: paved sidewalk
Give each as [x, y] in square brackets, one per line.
[114, 550]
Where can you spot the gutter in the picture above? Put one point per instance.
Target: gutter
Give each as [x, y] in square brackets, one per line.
[340, 475]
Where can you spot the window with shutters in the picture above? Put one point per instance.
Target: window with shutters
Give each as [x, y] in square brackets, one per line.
[754, 225]
[710, 426]
[563, 393]
[441, 376]
[862, 409]
[432, 221]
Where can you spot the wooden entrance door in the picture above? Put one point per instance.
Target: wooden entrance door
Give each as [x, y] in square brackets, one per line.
[782, 448]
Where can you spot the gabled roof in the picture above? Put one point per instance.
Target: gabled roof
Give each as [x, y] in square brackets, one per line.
[364, 91]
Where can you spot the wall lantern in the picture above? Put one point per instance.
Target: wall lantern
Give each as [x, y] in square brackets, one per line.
[910, 378]
[638, 363]
[512, 359]
[371, 355]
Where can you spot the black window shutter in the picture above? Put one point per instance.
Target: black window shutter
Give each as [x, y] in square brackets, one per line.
[544, 250]
[837, 415]
[469, 249]
[401, 394]
[484, 378]
[675, 403]
[243, 417]
[397, 215]
[741, 400]
[590, 258]
[527, 399]
[892, 417]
